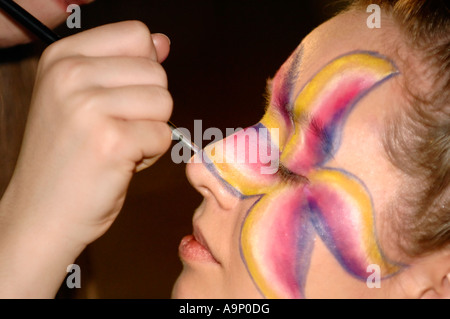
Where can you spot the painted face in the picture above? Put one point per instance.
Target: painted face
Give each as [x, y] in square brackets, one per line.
[318, 205]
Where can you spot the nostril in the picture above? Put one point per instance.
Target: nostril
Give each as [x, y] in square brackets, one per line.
[204, 191]
[210, 186]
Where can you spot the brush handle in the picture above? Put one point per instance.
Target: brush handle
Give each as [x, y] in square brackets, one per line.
[28, 21]
[177, 135]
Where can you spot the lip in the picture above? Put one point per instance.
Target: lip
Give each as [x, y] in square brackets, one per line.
[195, 248]
[65, 3]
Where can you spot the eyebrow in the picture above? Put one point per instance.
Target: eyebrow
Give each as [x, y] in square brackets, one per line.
[282, 99]
[281, 96]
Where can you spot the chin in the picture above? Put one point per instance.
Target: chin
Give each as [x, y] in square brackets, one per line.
[187, 287]
[177, 291]
[194, 284]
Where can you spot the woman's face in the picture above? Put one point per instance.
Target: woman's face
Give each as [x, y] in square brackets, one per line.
[312, 229]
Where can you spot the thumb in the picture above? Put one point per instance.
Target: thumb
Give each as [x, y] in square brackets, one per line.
[162, 46]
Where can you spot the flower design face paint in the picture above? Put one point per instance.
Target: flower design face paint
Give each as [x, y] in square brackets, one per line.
[278, 231]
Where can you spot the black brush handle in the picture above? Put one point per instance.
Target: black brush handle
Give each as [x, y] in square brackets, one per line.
[28, 21]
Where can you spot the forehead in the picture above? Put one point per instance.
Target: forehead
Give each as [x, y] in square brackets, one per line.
[342, 34]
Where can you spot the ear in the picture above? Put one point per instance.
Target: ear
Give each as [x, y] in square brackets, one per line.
[428, 277]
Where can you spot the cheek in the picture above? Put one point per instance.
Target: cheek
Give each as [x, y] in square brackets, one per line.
[276, 242]
[278, 234]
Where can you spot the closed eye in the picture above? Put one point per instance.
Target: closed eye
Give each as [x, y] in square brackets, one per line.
[289, 177]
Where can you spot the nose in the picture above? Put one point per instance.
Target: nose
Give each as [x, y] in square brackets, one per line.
[210, 185]
[236, 167]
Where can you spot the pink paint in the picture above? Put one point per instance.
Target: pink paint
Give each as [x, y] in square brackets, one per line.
[277, 233]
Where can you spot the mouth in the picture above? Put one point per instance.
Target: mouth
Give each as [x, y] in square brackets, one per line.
[65, 3]
[195, 248]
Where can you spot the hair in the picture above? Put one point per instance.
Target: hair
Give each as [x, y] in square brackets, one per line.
[17, 73]
[417, 138]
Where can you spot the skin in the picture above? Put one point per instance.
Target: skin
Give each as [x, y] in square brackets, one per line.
[81, 137]
[51, 13]
[255, 226]
[74, 146]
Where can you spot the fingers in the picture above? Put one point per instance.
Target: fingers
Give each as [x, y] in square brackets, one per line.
[128, 38]
[120, 87]
[108, 72]
[154, 138]
[134, 103]
[146, 141]
[111, 78]
[162, 46]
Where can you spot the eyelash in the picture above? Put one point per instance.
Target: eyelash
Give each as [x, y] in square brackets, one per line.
[290, 177]
[286, 175]
[316, 126]
[319, 131]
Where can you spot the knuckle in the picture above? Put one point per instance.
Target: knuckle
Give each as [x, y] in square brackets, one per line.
[167, 140]
[82, 111]
[54, 52]
[107, 139]
[51, 53]
[159, 74]
[109, 142]
[138, 30]
[102, 135]
[87, 101]
[167, 102]
[163, 138]
[48, 55]
[164, 142]
[68, 71]
[138, 37]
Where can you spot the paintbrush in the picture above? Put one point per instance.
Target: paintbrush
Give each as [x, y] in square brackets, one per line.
[36, 27]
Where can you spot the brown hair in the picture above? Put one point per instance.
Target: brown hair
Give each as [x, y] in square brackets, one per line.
[417, 139]
[17, 73]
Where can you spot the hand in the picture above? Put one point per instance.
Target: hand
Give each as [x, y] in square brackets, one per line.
[99, 111]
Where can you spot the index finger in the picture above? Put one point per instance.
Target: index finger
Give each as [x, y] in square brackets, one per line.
[127, 38]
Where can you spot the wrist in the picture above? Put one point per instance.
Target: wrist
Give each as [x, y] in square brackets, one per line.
[33, 256]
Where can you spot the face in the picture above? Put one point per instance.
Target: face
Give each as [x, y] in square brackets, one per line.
[50, 13]
[315, 227]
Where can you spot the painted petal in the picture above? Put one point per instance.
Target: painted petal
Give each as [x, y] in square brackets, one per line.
[342, 213]
[322, 106]
[276, 243]
[274, 120]
[246, 160]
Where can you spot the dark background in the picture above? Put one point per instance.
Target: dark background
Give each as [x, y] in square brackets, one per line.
[222, 53]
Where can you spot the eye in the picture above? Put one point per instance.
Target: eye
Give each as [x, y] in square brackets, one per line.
[289, 177]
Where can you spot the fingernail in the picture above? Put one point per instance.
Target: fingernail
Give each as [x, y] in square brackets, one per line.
[168, 39]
